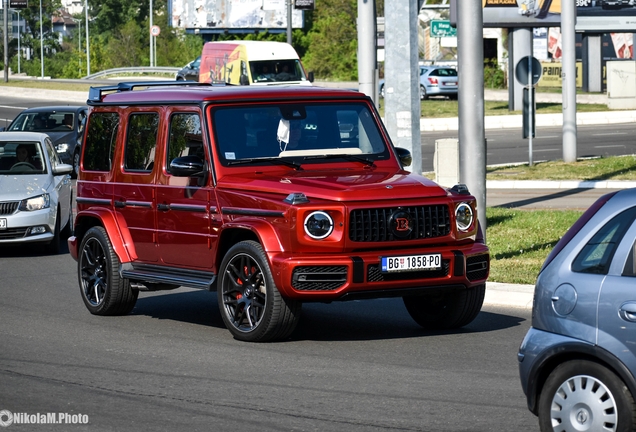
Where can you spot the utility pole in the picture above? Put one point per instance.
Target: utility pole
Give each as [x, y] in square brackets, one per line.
[152, 54]
[568, 79]
[289, 21]
[402, 109]
[472, 135]
[88, 46]
[41, 41]
[5, 15]
[367, 48]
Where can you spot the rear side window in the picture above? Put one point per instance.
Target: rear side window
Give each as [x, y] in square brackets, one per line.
[444, 72]
[100, 141]
[141, 142]
[596, 256]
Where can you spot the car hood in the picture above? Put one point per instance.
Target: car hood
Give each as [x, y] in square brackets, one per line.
[60, 137]
[341, 185]
[15, 187]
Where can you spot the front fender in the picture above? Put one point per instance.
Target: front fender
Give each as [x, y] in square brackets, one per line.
[115, 226]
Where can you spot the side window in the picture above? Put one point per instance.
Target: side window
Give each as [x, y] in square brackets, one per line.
[185, 137]
[100, 141]
[141, 142]
[596, 256]
[630, 265]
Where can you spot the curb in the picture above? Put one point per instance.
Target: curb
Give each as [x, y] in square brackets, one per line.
[509, 295]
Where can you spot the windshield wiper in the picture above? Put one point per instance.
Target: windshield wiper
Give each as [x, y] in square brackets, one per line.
[351, 157]
[274, 160]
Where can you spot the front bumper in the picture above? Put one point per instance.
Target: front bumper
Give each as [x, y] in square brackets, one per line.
[358, 275]
[21, 224]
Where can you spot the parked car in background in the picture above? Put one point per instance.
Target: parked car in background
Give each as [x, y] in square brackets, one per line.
[35, 191]
[63, 124]
[434, 81]
[189, 72]
[577, 362]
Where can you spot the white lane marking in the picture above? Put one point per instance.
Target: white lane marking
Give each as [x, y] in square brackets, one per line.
[608, 146]
[610, 133]
[12, 107]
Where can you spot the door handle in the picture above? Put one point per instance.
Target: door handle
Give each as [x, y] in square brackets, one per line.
[163, 207]
[627, 311]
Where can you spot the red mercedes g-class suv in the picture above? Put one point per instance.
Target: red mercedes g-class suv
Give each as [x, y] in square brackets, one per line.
[272, 196]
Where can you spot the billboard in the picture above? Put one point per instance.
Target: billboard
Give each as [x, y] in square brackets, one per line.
[214, 16]
[591, 15]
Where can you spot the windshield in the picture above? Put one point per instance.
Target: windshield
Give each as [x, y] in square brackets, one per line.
[276, 71]
[51, 121]
[306, 132]
[21, 157]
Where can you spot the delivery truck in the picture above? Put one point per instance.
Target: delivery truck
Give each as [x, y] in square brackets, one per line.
[252, 63]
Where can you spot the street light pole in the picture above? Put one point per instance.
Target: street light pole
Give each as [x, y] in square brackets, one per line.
[19, 37]
[41, 42]
[152, 54]
[88, 46]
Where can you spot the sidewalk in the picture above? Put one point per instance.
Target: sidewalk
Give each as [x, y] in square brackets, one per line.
[509, 295]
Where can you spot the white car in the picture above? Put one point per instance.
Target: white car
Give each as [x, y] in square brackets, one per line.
[35, 191]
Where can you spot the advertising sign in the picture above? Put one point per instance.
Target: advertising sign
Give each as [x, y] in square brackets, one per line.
[442, 28]
[551, 75]
[17, 4]
[216, 16]
[591, 15]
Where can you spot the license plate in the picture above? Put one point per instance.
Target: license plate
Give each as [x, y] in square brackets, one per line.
[3, 224]
[450, 83]
[411, 263]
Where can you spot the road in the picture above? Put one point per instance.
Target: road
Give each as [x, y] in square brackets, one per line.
[171, 365]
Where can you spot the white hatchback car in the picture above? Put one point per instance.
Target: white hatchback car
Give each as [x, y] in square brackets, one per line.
[35, 191]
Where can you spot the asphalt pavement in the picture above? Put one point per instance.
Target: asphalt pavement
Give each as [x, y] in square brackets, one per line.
[512, 194]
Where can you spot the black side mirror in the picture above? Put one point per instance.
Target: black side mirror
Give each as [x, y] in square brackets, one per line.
[404, 155]
[187, 166]
[244, 80]
[310, 76]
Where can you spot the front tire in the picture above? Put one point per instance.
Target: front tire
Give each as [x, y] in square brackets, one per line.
[103, 291]
[251, 306]
[446, 309]
[76, 164]
[582, 395]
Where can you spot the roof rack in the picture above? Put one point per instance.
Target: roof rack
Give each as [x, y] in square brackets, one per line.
[95, 93]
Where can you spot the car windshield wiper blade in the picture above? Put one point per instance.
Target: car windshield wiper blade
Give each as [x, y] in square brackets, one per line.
[274, 160]
[351, 157]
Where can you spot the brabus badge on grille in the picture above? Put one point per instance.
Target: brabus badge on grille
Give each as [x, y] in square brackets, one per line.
[400, 223]
[389, 186]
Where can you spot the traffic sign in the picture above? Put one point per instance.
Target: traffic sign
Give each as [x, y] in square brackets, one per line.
[442, 28]
[155, 30]
[528, 66]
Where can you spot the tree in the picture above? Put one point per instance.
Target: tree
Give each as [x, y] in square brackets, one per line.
[333, 40]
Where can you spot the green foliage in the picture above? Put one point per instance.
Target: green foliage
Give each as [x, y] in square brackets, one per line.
[520, 241]
[333, 43]
[494, 75]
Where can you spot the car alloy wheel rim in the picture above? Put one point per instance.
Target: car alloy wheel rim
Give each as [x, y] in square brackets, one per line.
[244, 292]
[94, 273]
[583, 403]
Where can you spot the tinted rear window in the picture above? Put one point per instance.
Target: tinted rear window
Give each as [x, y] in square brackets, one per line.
[100, 141]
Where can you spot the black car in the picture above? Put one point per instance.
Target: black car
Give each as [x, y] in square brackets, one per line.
[63, 124]
[190, 72]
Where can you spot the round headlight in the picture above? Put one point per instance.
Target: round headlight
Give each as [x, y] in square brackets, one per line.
[318, 225]
[463, 216]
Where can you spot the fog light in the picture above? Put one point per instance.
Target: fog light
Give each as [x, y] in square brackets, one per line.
[38, 230]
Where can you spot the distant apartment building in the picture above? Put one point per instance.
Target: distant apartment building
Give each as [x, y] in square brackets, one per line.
[73, 7]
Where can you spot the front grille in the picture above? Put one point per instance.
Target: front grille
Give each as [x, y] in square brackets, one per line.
[374, 274]
[319, 278]
[477, 267]
[7, 208]
[372, 225]
[12, 233]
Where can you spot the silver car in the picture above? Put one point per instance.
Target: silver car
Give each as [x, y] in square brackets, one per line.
[577, 362]
[435, 81]
[35, 191]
